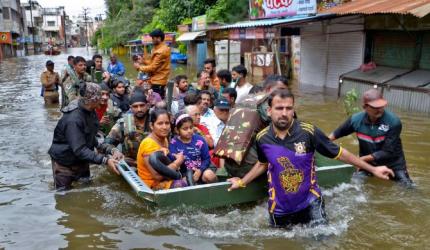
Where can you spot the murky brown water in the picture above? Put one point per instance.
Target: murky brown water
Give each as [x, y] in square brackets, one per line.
[107, 214]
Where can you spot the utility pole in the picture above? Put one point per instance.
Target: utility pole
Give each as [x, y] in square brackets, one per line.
[32, 26]
[85, 15]
[101, 29]
[64, 30]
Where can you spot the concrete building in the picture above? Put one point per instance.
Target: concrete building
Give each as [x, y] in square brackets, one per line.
[53, 25]
[34, 27]
[12, 27]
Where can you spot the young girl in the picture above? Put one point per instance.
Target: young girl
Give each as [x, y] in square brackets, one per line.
[157, 141]
[120, 96]
[195, 150]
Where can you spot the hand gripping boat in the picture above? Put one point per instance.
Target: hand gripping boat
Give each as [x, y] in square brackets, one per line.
[329, 173]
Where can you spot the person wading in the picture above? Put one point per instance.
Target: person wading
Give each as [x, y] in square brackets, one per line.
[50, 81]
[74, 141]
[71, 84]
[286, 151]
[378, 132]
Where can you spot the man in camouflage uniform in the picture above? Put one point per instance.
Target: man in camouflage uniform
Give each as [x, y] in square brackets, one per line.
[245, 121]
[132, 128]
[71, 83]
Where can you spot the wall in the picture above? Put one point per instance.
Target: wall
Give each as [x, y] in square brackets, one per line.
[330, 48]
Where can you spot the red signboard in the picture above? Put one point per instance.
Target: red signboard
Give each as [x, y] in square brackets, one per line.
[259, 9]
[234, 34]
[5, 37]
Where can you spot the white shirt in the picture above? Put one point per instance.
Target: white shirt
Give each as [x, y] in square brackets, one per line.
[242, 91]
[215, 129]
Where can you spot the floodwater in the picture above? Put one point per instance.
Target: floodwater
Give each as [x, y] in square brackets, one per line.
[107, 214]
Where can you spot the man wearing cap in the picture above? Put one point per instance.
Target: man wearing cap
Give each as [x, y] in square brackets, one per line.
[378, 132]
[217, 125]
[50, 81]
[74, 141]
[132, 128]
[158, 67]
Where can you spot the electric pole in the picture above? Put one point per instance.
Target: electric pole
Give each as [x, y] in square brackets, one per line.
[32, 26]
[85, 15]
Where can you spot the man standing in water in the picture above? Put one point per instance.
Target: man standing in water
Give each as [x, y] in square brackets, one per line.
[71, 84]
[378, 132]
[286, 151]
[158, 67]
[50, 81]
[74, 141]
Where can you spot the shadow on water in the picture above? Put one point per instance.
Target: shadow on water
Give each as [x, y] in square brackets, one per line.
[107, 214]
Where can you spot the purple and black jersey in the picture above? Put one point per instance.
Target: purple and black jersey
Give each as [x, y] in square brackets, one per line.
[291, 171]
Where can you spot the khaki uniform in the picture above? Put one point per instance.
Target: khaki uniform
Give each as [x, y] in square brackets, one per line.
[127, 133]
[71, 87]
[50, 80]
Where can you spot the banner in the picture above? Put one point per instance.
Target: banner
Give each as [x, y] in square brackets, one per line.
[199, 23]
[5, 37]
[259, 9]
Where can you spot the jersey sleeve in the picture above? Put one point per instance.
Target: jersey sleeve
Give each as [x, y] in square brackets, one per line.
[345, 129]
[260, 153]
[324, 146]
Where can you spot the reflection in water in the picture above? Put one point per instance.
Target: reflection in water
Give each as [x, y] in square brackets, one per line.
[107, 214]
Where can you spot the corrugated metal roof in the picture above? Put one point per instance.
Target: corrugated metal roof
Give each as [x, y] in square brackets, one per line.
[270, 22]
[189, 36]
[418, 8]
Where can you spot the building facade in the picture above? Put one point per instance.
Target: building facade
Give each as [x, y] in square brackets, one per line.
[13, 28]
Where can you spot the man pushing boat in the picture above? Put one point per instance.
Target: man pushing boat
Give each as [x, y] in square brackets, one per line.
[286, 150]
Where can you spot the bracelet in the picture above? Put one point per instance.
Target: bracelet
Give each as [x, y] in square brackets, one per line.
[241, 184]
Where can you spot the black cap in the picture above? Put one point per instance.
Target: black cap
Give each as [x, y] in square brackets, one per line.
[222, 103]
[49, 62]
[137, 96]
[157, 33]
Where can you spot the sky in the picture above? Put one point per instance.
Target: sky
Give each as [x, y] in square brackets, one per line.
[74, 7]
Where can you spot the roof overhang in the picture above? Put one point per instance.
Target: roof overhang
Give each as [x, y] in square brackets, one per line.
[190, 36]
[418, 8]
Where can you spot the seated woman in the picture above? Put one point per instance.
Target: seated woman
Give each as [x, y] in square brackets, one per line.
[158, 141]
[195, 150]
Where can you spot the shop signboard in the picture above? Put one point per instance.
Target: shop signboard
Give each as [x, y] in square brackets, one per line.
[260, 9]
[250, 33]
[259, 33]
[199, 23]
[234, 34]
[5, 38]
[242, 34]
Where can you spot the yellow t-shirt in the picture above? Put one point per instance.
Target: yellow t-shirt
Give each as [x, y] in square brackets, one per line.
[147, 147]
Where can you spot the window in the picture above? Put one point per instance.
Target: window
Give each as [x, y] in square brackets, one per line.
[51, 23]
[6, 14]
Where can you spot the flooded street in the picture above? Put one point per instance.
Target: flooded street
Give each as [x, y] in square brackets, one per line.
[107, 214]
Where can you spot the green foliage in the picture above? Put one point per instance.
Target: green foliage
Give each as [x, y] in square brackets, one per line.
[125, 20]
[228, 11]
[350, 102]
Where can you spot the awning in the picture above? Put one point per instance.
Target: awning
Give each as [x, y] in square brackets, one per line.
[190, 36]
[271, 22]
[417, 8]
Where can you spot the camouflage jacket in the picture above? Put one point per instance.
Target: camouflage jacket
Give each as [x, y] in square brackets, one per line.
[127, 133]
[71, 87]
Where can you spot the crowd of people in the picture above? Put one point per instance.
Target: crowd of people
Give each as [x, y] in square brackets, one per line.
[106, 120]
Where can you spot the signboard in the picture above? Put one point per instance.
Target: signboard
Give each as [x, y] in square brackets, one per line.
[5, 37]
[234, 34]
[183, 28]
[260, 9]
[199, 23]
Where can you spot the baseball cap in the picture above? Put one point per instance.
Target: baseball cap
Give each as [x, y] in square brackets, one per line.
[373, 98]
[49, 62]
[222, 103]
